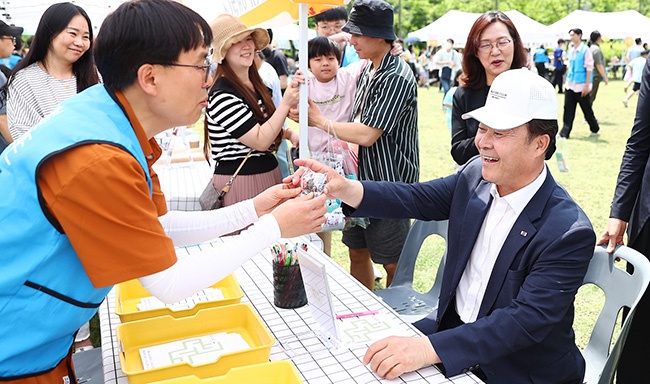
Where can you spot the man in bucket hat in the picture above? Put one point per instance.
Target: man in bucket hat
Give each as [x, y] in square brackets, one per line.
[384, 123]
[518, 248]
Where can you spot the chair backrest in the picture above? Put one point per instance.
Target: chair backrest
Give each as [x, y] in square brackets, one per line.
[621, 289]
[405, 270]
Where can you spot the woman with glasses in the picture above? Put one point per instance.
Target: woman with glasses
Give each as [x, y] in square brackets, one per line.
[242, 125]
[59, 65]
[493, 46]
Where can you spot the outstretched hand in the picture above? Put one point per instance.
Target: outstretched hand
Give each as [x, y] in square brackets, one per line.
[273, 196]
[301, 215]
[337, 187]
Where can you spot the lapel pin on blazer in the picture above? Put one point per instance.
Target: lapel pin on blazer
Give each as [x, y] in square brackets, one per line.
[524, 233]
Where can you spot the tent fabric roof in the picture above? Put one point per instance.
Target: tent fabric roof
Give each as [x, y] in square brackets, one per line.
[613, 25]
[27, 13]
[456, 25]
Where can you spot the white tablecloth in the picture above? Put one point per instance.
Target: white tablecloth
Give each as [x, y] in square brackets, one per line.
[295, 328]
[182, 183]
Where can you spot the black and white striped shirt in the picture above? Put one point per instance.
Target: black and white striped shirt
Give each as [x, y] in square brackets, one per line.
[229, 117]
[390, 105]
[33, 94]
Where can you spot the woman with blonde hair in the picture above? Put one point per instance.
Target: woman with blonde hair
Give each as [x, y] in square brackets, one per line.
[243, 127]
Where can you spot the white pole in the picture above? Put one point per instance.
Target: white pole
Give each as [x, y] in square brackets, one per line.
[304, 89]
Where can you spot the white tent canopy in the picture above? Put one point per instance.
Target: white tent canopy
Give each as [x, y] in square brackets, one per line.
[613, 25]
[532, 32]
[27, 13]
[453, 24]
[456, 25]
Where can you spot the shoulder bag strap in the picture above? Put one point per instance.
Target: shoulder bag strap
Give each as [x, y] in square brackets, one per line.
[226, 187]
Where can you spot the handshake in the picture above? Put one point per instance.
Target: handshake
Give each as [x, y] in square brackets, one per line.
[299, 204]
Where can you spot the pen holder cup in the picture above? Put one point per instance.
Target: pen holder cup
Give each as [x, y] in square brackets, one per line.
[288, 289]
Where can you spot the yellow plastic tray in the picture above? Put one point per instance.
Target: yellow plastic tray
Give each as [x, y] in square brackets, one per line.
[129, 294]
[275, 372]
[240, 318]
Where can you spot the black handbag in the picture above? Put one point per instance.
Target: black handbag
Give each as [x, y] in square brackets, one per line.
[212, 198]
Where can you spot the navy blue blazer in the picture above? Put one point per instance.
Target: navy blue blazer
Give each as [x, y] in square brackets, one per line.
[632, 198]
[523, 333]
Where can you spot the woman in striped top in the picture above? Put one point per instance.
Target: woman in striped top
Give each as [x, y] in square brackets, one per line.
[59, 65]
[241, 117]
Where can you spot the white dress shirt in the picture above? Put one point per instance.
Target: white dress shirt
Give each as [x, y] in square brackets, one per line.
[501, 216]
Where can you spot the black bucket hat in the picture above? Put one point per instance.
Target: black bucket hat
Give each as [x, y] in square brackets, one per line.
[372, 18]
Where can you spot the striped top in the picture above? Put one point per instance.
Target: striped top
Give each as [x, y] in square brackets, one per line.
[34, 93]
[229, 117]
[390, 105]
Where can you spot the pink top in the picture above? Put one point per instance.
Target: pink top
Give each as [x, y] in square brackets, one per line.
[334, 99]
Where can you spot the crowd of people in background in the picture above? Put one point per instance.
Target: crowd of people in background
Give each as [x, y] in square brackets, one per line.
[500, 98]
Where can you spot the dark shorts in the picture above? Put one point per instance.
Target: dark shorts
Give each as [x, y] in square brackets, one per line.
[636, 86]
[384, 238]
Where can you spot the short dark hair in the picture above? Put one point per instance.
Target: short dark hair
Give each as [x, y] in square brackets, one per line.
[146, 31]
[560, 41]
[595, 35]
[334, 14]
[577, 31]
[539, 127]
[637, 40]
[323, 46]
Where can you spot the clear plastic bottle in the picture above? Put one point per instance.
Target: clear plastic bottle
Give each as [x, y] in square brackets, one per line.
[562, 155]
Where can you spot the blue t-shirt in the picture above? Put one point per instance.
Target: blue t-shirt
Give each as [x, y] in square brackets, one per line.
[541, 56]
[349, 56]
[11, 61]
[449, 99]
[557, 58]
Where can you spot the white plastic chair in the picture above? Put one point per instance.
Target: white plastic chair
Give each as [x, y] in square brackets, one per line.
[621, 290]
[400, 295]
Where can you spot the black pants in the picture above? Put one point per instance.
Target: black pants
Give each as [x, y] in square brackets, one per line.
[558, 78]
[636, 352]
[571, 100]
[541, 69]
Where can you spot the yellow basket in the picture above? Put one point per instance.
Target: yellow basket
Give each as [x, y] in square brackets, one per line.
[240, 318]
[129, 294]
[275, 372]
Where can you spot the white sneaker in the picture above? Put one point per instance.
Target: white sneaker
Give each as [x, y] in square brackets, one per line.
[625, 102]
[377, 272]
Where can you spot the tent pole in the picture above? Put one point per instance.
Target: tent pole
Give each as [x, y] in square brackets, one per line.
[303, 61]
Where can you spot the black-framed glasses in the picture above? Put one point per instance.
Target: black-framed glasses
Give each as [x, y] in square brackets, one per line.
[209, 68]
[12, 38]
[486, 46]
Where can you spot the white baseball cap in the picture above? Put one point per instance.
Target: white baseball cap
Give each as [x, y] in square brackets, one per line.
[516, 97]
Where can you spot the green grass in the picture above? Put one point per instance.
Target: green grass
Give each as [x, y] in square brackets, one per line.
[593, 162]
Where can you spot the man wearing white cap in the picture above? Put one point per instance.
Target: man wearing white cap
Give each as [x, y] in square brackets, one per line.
[518, 248]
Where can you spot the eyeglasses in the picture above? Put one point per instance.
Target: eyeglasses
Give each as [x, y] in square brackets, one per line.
[209, 68]
[327, 28]
[486, 46]
[12, 38]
